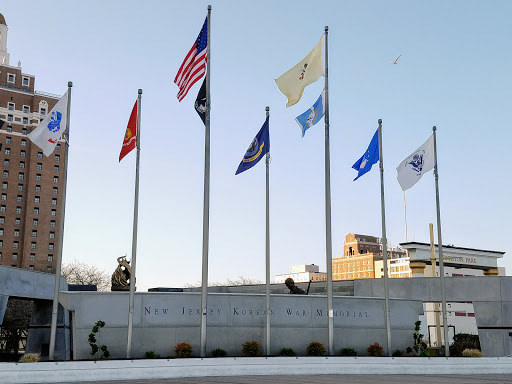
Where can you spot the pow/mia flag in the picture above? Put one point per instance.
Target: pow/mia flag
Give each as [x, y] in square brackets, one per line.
[200, 104]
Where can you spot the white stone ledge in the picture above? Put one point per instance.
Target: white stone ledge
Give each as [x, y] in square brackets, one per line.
[108, 370]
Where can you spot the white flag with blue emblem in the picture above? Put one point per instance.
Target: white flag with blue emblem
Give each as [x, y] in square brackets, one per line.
[312, 115]
[49, 131]
[416, 164]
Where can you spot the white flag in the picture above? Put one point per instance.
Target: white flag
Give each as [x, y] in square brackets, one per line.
[415, 165]
[50, 130]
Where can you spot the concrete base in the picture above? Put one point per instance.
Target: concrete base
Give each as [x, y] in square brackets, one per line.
[104, 371]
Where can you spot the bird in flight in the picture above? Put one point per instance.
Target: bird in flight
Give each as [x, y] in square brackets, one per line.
[395, 62]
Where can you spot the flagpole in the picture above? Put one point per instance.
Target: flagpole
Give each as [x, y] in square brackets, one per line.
[328, 236]
[440, 247]
[405, 217]
[384, 240]
[267, 242]
[134, 235]
[206, 200]
[55, 308]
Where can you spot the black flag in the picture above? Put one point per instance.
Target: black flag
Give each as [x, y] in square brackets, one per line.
[200, 103]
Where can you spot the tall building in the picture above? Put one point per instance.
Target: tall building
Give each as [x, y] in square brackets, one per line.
[31, 192]
[303, 274]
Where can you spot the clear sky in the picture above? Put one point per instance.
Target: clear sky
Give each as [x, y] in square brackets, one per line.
[455, 73]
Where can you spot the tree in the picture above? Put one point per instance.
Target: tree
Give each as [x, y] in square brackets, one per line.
[228, 283]
[18, 313]
[78, 272]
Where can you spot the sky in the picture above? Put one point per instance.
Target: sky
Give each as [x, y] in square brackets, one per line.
[454, 73]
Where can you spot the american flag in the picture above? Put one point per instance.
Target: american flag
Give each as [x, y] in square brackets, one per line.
[194, 65]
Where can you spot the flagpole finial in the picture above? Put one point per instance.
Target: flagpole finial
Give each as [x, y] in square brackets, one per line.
[140, 91]
[267, 108]
[326, 28]
[209, 7]
[380, 121]
[434, 128]
[70, 84]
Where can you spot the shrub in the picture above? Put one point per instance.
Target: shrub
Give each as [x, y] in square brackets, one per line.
[424, 353]
[315, 349]
[251, 348]
[348, 352]
[462, 341]
[398, 353]
[151, 355]
[287, 352]
[30, 358]
[219, 352]
[104, 354]
[470, 352]
[375, 350]
[183, 350]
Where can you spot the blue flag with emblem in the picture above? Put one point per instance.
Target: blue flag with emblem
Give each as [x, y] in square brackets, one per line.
[370, 157]
[312, 116]
[258, 148]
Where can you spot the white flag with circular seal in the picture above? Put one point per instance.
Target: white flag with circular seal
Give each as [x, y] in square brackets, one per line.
[50, 130]
[416, 164]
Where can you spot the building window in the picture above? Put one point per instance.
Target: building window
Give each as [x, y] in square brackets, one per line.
[56, 168]
[23, 154]
[2, 208]
[5, 185]
[42, 111]
[24, 130]
[25, 122]
[22, 164]
[1, 244]
[23, 142]
[6, 174]
[50, 246]
[9, 129]
[55, 179]
[30, 267]
[52, 235]
[17, 221]
[33, 245]
[37, 199]
[11, 77]
[19, 198]
[49, 269]
[4, 196]
[10, 118]
[57, 147]
[39, 155]
[52, 224]
[7, 151]
[39, 166]
[1, 231]
[18, 209]
[10, 106]
[20, 187]
[7, 140]
[35, 222]
[36, 211]
[32, 256]
[34, 233]
[54, 212]
[25, 81]
[38, 188]
[21, 176]
[55, 190]
[50, 257]
[26, 109]
[6, 163]
[15, 256]
[38, 177]
[2, 220]
[15, 245]
[57, 157]
[54, 201]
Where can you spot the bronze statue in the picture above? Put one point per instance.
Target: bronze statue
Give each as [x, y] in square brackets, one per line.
[121, 276]
[294, 290]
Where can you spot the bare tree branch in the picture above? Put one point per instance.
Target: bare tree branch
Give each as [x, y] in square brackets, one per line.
[78, 272]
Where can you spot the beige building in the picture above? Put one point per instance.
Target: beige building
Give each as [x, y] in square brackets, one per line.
[31, 183]
[303, 274]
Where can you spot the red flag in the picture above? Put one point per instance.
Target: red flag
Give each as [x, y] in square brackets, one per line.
[194, 65]
[130, 137]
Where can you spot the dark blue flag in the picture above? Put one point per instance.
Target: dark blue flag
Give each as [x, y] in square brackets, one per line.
[258, 148]
[370, 157]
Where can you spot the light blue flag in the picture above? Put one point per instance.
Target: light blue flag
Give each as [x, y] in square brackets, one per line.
[370, 157]
[312, 115]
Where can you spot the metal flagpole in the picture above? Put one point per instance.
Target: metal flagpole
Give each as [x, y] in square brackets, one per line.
[55, 308]
[267, 243]
[405, 216]
[440, 247]
[433, 262]
[206, 198]
[134, 235]
[328, 236]
[384, 240]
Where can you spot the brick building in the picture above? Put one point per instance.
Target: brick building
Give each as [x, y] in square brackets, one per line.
[32, 184]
